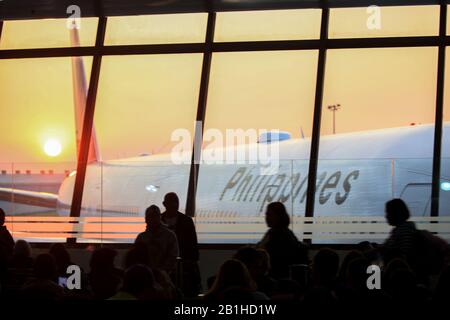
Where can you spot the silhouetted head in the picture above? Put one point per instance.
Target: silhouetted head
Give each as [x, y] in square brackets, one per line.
[171, 202]
[357, 273]
[61, 255]
[138, 279]
[397, 212]
[252, 259]
[103, 259]
[138, 254]
[232, 273]
[277, 216]
[22, 249]
[352, 255]
[2, 217]
[153, 217]
[325, 267]
[45, 267]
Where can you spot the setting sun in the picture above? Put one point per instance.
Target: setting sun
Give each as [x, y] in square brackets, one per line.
[52, 147]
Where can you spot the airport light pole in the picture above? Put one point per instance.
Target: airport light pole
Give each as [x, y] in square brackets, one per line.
[334, 108]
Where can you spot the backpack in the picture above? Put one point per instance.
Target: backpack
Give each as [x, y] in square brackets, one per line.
[434, 252]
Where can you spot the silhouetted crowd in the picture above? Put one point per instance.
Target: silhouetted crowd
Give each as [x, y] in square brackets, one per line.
[162, 264]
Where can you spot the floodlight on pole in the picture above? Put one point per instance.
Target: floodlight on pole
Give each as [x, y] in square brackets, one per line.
[334, 108]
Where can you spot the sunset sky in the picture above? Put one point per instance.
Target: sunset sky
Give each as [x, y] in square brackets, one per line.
[142, 99]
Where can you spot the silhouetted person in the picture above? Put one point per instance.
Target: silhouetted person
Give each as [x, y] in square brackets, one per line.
[402, 238]
[233, 282]
[138, 254]
[44, 285]
[20, 268]
[257, 262]
[138, 284]
[6, 240]
[280, 242]
[62, 258]
[105, 279]
[325, 268]
[356, 291]
[160, 241]
[21, 257]
[184, 228]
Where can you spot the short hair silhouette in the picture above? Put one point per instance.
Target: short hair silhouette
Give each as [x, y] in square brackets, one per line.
[137, 279]
[397, 212]
[232, 273]
[45, 267]
[277, 216]
[22, 248]
[326, 266]
[171, 201]
[151, 213]
[103, 259]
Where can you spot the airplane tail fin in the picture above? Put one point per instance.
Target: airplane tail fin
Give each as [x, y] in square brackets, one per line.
[79, 95]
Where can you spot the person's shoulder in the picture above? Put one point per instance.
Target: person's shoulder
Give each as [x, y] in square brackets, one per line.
[141, 235]
[183, 217]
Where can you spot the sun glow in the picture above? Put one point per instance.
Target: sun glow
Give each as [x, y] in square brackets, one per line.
[52, 147]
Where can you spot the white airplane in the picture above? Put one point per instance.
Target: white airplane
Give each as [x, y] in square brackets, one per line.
[357, 173]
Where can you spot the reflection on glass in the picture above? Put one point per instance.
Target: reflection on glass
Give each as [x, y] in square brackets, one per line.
[444, 194]
[143, 103]
[50, 33]
[250, 95]
[376, 21]
[383, 142]
[267, 25]
[39, 150]
[154, 29]
[142, 100]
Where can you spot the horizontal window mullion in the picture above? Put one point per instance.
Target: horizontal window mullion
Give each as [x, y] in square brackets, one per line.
[425, 41]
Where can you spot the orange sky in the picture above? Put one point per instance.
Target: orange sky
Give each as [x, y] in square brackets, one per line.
[142, 99]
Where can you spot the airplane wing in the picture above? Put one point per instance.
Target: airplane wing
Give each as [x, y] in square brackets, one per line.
[32, 198]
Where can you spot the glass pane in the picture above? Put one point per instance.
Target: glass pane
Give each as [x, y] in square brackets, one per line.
[376, 21]
[444, 204]
[143, 104]
[39, 152]
[27, 34]
[251, 94]
[377, 131]
[153, 29]
[268, 25]
[448, 23]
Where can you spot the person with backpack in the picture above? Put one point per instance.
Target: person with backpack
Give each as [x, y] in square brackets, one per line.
[424, 252]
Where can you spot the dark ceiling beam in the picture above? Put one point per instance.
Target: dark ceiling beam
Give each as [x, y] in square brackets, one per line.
[40, 9]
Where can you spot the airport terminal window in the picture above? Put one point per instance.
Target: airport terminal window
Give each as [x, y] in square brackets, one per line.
[444, 193]
[49, 33]
[251, 92]
[376, 95]
[143, 102]
[448, 23]
[39, 151]
[156, 29]
[384, 22]
[267, 25]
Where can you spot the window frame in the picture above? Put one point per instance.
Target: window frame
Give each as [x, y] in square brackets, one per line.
[208, 47]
